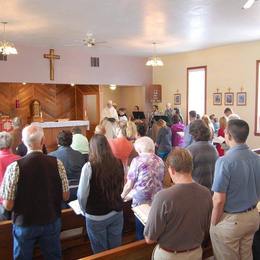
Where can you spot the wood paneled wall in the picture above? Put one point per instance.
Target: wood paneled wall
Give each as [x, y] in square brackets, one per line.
[57, 100]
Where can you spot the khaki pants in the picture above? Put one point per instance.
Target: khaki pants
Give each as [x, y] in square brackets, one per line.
[232, 237]
[160, 254]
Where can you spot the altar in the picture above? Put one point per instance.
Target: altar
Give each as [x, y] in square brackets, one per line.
[51, 130]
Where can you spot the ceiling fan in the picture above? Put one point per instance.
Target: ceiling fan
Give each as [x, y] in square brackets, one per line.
[89, 41]
[249, 4]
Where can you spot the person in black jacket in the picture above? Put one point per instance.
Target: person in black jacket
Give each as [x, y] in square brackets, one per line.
[99, 195]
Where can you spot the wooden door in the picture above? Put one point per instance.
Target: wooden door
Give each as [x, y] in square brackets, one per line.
[88, 100]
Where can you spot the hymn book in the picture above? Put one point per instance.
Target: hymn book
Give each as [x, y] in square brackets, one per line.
[76, 207]
[142, 212]
[218, 140]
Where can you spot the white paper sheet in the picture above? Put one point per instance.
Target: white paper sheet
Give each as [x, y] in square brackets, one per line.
[76, 208]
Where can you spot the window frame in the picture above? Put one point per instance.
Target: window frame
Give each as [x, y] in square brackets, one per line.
[187, 96]
[256, 97]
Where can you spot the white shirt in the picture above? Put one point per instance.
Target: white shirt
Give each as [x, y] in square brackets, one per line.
[109, 113]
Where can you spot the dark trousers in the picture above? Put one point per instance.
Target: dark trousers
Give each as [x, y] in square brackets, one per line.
[4, 214]
[139, 229]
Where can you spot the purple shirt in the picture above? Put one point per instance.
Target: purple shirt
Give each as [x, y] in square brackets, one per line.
[146, 172]
[177, 140]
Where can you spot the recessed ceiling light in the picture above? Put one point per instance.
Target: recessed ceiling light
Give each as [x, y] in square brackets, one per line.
[112, 86]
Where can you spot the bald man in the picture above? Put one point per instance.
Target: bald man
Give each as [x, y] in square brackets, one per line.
[33, 187]
[109, 111]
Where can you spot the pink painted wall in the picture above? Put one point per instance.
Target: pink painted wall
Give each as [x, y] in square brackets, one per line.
[74, 67]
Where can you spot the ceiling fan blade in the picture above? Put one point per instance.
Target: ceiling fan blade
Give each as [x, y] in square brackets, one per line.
[101, 46]
[101, 42]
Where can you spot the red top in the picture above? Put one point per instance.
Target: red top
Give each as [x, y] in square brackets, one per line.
[6, 158]
[219, 148]
[121, 148]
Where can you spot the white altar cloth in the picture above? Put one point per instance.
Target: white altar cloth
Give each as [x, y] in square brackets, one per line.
[63, 124]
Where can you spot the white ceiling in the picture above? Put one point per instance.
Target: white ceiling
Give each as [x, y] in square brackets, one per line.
[130, 26]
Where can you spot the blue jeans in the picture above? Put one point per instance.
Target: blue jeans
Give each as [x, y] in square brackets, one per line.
[48, 237]
[105, 234]
[139, 229]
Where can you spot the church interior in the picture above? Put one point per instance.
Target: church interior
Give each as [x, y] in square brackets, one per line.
[67, 59]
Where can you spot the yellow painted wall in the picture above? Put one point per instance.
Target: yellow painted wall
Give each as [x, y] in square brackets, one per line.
[231, 66]
[107, 94]
[124, 96]
[131, 96]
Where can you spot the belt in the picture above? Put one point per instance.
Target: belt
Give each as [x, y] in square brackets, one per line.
[179, 251]
[243, 211]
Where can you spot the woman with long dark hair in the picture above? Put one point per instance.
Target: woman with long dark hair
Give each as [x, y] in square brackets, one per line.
[100, 186]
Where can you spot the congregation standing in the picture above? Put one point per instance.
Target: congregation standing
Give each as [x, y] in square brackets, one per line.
[213, 191]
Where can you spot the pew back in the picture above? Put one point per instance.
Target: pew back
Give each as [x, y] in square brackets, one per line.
[138, 250]
[6, 240]
[74, 240]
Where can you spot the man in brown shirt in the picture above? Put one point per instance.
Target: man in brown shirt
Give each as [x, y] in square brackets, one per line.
[179, 218]
[16, 134]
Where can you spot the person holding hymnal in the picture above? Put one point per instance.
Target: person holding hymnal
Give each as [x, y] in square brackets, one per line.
[145, 177]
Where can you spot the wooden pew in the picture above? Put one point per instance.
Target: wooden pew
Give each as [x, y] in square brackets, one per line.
[6, 240]
[138, 250]
[74, 240]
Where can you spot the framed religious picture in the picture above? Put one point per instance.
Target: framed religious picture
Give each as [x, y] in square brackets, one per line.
[241, 98]
[217, 99]
[229, 99]
[155, 93]
[177, 99]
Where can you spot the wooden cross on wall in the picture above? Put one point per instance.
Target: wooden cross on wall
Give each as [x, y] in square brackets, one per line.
[51, 56]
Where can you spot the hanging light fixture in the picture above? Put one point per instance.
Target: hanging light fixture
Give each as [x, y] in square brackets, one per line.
[248, 4]
[154, 61]
[6, 48]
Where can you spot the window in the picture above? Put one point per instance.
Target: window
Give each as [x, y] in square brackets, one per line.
[257, 102]
[196, 92]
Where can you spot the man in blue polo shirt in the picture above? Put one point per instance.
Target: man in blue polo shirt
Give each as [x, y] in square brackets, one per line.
[236, 189]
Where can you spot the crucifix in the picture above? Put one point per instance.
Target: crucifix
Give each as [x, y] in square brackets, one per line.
[51, 56]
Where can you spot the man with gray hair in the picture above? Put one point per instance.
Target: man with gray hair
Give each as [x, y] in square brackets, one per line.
[169, 112]
[109, 111]
[6, 158]
[33, 187]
